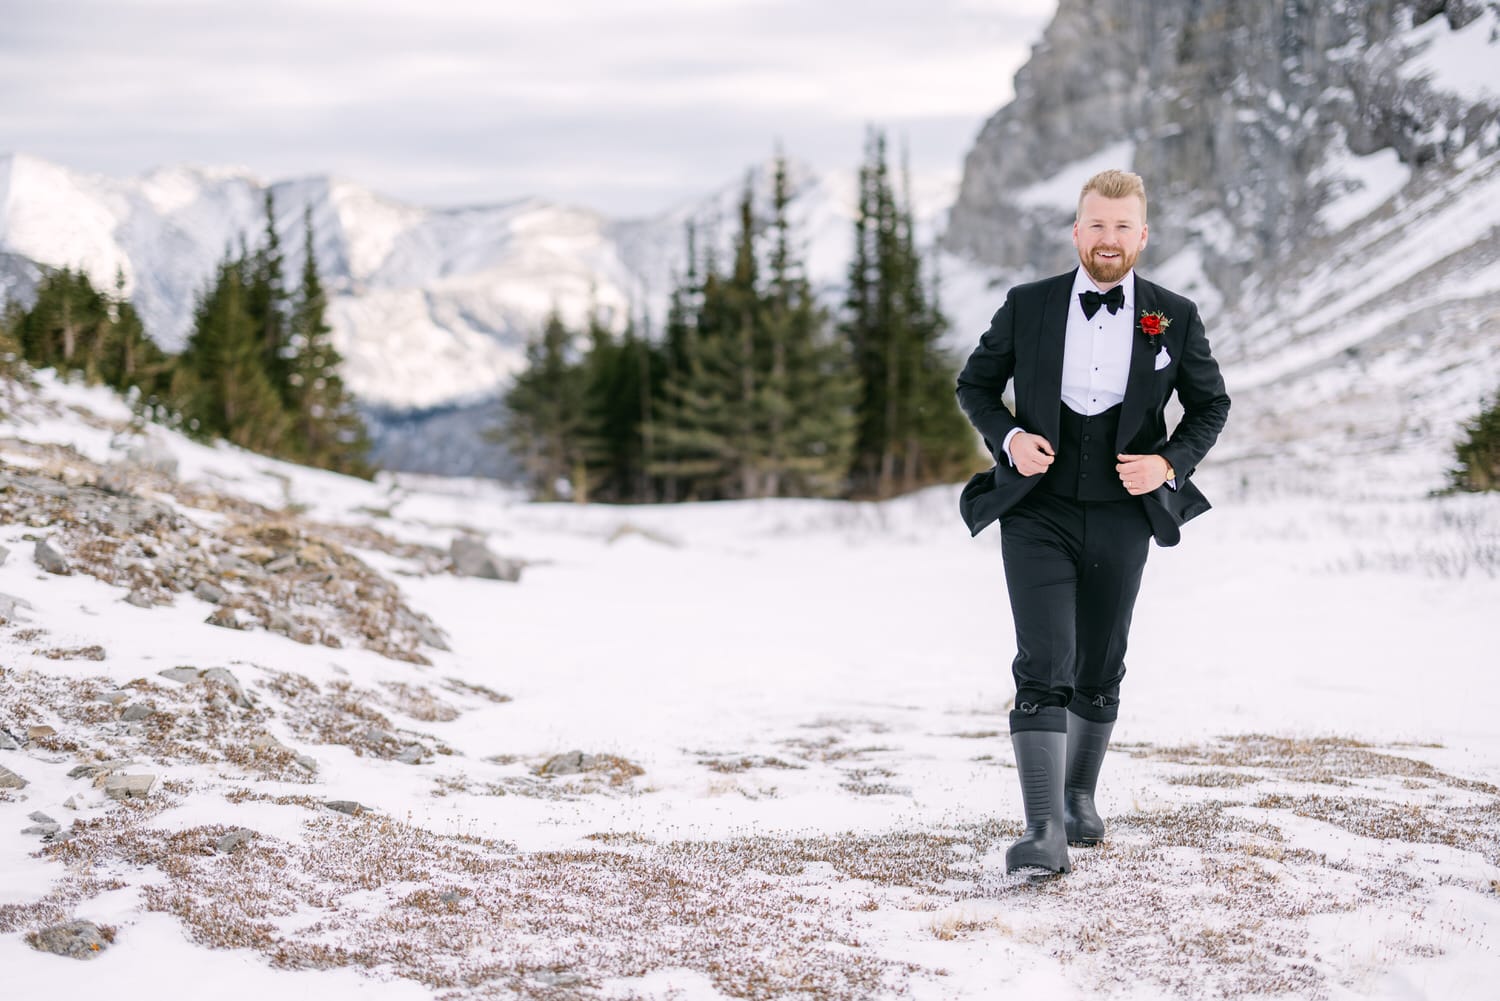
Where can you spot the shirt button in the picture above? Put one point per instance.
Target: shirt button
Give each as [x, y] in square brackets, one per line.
[1085, 437]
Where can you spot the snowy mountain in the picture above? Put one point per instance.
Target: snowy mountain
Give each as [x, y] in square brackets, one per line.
[1325, 181]
[431, 308]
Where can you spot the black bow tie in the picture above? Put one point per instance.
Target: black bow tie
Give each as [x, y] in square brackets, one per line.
[1114, 299]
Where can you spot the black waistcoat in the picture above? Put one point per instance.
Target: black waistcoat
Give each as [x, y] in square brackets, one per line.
[1084, 468]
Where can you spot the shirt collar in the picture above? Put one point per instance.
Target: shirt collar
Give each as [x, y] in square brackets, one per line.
[1083, 283]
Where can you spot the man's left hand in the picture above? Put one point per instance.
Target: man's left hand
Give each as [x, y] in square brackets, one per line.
[1141, 474]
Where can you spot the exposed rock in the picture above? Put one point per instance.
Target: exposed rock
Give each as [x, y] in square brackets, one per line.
[10, 780]
[210, 592]
[139, 599]
[226, 677]
[229, 618]
[76, 939]
[1229, 110]
[411, 754]
[234, 840]
[4, 555]
[115, 697]
[128, 786]
[42, 824]
[348, 806]
[568, 763]
[186, 675]
[50, 559]
[307, 763]
[8, 741]
[472, 558]
[72, 803]
[136, 712]
[39, 732]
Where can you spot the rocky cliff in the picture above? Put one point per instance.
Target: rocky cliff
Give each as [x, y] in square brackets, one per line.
[1324, 177]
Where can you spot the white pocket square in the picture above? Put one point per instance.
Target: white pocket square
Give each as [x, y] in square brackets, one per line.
[1162, 358]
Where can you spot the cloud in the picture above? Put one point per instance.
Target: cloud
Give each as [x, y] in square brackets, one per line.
[627, 105]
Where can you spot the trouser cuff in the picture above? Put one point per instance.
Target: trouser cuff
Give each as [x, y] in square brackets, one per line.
[1048, 718]
[1101, 710]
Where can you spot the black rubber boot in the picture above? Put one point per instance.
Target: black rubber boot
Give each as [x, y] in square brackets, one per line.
[1087, 742]
[1040, 758]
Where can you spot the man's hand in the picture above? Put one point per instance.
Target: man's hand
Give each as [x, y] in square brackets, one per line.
[1031, 453]
[1141, 474]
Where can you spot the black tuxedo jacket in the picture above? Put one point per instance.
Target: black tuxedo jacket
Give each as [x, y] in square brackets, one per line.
[1025, 343]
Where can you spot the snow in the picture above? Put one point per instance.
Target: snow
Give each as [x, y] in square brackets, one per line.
[866, 647]
[1060, 191]
[1369, 181]
[1460, 62]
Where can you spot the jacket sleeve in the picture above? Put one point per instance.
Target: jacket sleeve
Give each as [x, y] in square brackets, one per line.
[983, 379]
[1205, 403]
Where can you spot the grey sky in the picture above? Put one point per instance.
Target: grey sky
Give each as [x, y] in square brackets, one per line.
[629, 107]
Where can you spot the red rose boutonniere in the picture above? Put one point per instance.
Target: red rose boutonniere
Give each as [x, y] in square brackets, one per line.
[1152, 325]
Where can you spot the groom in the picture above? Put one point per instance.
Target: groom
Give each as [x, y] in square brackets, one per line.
[1085, 475]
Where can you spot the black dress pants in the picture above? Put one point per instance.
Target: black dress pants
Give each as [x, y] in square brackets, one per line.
[1073, 569]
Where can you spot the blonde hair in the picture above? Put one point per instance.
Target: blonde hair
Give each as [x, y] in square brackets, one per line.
[1114, 184]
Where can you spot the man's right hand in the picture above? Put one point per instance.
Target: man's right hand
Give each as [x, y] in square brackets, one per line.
[1031, 453]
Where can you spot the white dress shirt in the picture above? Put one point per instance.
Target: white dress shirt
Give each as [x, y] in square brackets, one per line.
[1096, 352]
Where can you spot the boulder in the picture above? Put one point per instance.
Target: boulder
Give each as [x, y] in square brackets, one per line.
[234, 840]
[50, 559]
[568, 763]
[226, 677]
[128, 786]
[76, 939]
[472, 558]
[210, 592]
[10, 780]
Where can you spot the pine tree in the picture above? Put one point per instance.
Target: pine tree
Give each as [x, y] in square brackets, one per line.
[266, 303]
[1478, 454]
[809, 388]
[327, 429]
[711, 442]
[220, 385]
[128, 358]
[546, 415]
[66, 325]
[910, 431]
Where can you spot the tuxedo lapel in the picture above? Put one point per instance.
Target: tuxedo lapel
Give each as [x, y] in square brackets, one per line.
[1054, 332]
[1142, 364]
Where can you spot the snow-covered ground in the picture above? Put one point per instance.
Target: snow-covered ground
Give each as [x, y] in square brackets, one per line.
[802, 783]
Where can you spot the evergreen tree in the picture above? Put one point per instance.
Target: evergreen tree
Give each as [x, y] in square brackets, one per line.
[220, 385]
[327, 429]
[128, 358]
[66, 325]
[546, 415]
[266, 303]
[809, 388]
[1478, 454]
[617, 407]
[711, 442]
[910, 431]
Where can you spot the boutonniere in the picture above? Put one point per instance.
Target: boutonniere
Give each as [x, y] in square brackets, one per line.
[1152, 325]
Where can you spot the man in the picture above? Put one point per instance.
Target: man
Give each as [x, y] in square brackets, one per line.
[1085, 475]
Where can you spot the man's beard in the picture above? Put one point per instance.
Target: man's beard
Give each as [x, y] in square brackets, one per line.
[1107, 272]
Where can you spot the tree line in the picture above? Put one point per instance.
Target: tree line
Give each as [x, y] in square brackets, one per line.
[753, 389]
[258, 368]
